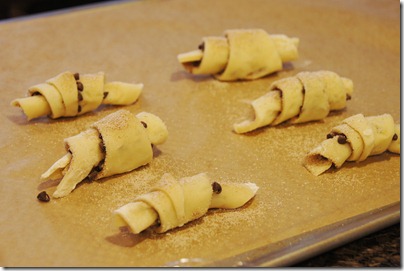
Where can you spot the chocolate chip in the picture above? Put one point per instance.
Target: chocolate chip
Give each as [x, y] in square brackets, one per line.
[76, 76]
[101, 144]
[79, 108]
[43, 196]
[342, 139]
[330, 135]
[92, 175]
[94, 171]
[102, 147]
[348, 97]
[144, 124]
[201, 46]
[395, 137]
[80, 96]
[80, 86]
[105, 95]
[99, 166]
[216, 187]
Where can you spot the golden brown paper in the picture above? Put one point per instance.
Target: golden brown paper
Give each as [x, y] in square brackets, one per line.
[138, 42]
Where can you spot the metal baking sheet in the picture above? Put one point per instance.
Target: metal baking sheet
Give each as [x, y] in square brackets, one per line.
[294, 214]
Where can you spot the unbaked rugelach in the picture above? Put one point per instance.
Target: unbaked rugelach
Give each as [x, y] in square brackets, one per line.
[71, 94]
[118, 143]
[355, 139]
[241, 54]
[172, 203]
[307, 96]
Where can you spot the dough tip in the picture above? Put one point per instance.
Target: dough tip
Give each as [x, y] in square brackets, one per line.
[155, 127]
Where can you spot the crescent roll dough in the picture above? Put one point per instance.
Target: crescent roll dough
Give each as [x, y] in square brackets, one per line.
[307, 96]
[172, 203]
[69, 95]
[244, 54]
[356, 138]
[118, 143]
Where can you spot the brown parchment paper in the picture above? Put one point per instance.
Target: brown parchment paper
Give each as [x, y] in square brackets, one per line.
[138, 42]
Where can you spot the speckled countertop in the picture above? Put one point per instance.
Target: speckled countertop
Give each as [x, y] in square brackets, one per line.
[380, 249]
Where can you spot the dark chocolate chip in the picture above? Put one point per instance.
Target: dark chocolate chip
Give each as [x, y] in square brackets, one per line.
[201, 46]
[80, 96]
[105, 95]
[144, 124]
[80, 86]
[330, 135]
[395, 137]
[76, 76]
[348, 97]
[100, 165]
[216, 187]
[102, 147]
[341, 139]
[79, 108]
[92, 175]
[43, 196]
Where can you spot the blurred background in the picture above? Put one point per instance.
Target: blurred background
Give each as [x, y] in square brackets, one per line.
[17, 8]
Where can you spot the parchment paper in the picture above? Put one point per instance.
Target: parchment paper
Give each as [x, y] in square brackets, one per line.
[138, 42]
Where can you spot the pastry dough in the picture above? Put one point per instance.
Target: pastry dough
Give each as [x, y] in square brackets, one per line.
[69, 95]
[172, 203]
[307, 96]
[244, 54]
[356, 138]
[118, 143]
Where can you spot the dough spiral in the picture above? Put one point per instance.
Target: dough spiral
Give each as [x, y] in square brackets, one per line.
[307, 96]
[118, 143]
[172, 203]
[355, 139]
[242, 54]
[72, 94]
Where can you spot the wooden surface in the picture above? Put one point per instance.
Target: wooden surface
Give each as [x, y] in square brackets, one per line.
[138, 42]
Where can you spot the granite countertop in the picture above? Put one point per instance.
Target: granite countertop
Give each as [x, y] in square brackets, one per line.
[380, 249]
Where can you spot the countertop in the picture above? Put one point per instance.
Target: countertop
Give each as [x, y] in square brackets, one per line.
[380, 249]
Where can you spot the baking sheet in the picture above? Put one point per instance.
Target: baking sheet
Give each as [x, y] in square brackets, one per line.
[138, 42]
